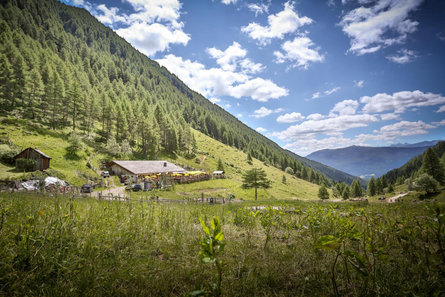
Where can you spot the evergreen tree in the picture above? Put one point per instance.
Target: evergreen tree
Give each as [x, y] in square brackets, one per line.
[371, 187]
[345, 194]
[6, 84]
[255, 178]
[432, 166]
[356, 189]
[323, 193]
[220, 166]
[284, 180]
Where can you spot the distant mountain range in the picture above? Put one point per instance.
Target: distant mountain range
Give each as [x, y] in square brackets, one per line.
[366, 161]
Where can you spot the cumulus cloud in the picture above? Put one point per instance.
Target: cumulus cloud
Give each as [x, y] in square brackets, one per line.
[301, 52]
[403, 56]
[290, 117]
[389, 116]
[306, 145]
[400, 101]
[152, 38]
[383, 24]
[227, 2]
[258, 8]
[219, 82]
[261, 130]
[345, 107]
[264, 112]
[327, 126]
[278, 25]
[152, 27]
[233, 57]
[397, 130]
[315, 116]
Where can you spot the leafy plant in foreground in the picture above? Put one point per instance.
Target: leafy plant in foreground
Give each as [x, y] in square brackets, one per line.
[212, 245]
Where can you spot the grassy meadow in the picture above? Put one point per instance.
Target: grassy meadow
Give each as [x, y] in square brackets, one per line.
[60, 246]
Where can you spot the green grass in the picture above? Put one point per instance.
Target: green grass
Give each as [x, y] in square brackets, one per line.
[56, 246]
[235, 164]
[25, 134]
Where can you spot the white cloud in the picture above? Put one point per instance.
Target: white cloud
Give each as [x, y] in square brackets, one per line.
[397, 130]
[400, 101]
[215, 100]
[219, 82]
[285, 22]
[290, 117]
[389, 116]
[331, 91]
[346, 107]
[441, 109]
[227, 106]
[264, 112]
[233, 58]
[110, 15]
[306, 145]
[359, 83]
[300, 51]
[315, 116]
[319, 94]
[152, 38]
[328, 126]
[403, 56]
[383, 24]
[258, 8]
[261, 130]
[152, 28]
[240, 115]
[227, 2]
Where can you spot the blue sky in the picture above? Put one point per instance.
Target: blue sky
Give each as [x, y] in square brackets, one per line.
[307, 74]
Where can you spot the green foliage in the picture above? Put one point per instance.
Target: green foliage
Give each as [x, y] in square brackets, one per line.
[27, 165]
[427, 183]
[356, 189]
[141, 248]
[255, 178]
[345, 194]
[289, 170]
[220, 165]
[323, 193]
[413, 167]
[372, 189]
[212, 246]
[75, 145]
[283, 179]
[432, 166]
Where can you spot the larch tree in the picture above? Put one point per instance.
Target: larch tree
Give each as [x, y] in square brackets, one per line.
[255, 178]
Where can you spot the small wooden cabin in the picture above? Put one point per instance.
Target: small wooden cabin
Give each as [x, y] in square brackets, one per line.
[42, 159]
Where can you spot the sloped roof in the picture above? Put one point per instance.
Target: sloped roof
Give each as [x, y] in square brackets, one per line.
[148, 167]
[31, 148]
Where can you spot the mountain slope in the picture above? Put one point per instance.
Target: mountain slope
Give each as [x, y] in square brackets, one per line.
[365, 161]
[62, 68]
[418, 144]
[412, 167]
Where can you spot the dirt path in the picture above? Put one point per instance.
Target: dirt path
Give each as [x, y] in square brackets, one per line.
[395, 198]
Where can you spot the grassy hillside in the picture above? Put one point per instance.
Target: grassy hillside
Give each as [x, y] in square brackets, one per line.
[25, 134]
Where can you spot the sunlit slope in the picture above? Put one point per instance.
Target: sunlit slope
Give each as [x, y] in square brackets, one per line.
[235, 164]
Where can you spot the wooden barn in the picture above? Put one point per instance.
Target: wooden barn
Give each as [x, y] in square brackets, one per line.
[42, 159]
[143, 168]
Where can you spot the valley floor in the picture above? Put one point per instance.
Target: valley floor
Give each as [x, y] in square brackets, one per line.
[58, 246]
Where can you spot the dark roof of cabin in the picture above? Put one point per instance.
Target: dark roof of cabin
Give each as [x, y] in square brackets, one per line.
[38, 151]
[148, 167]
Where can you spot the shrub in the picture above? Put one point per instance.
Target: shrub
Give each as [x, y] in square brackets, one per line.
[26, 164]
